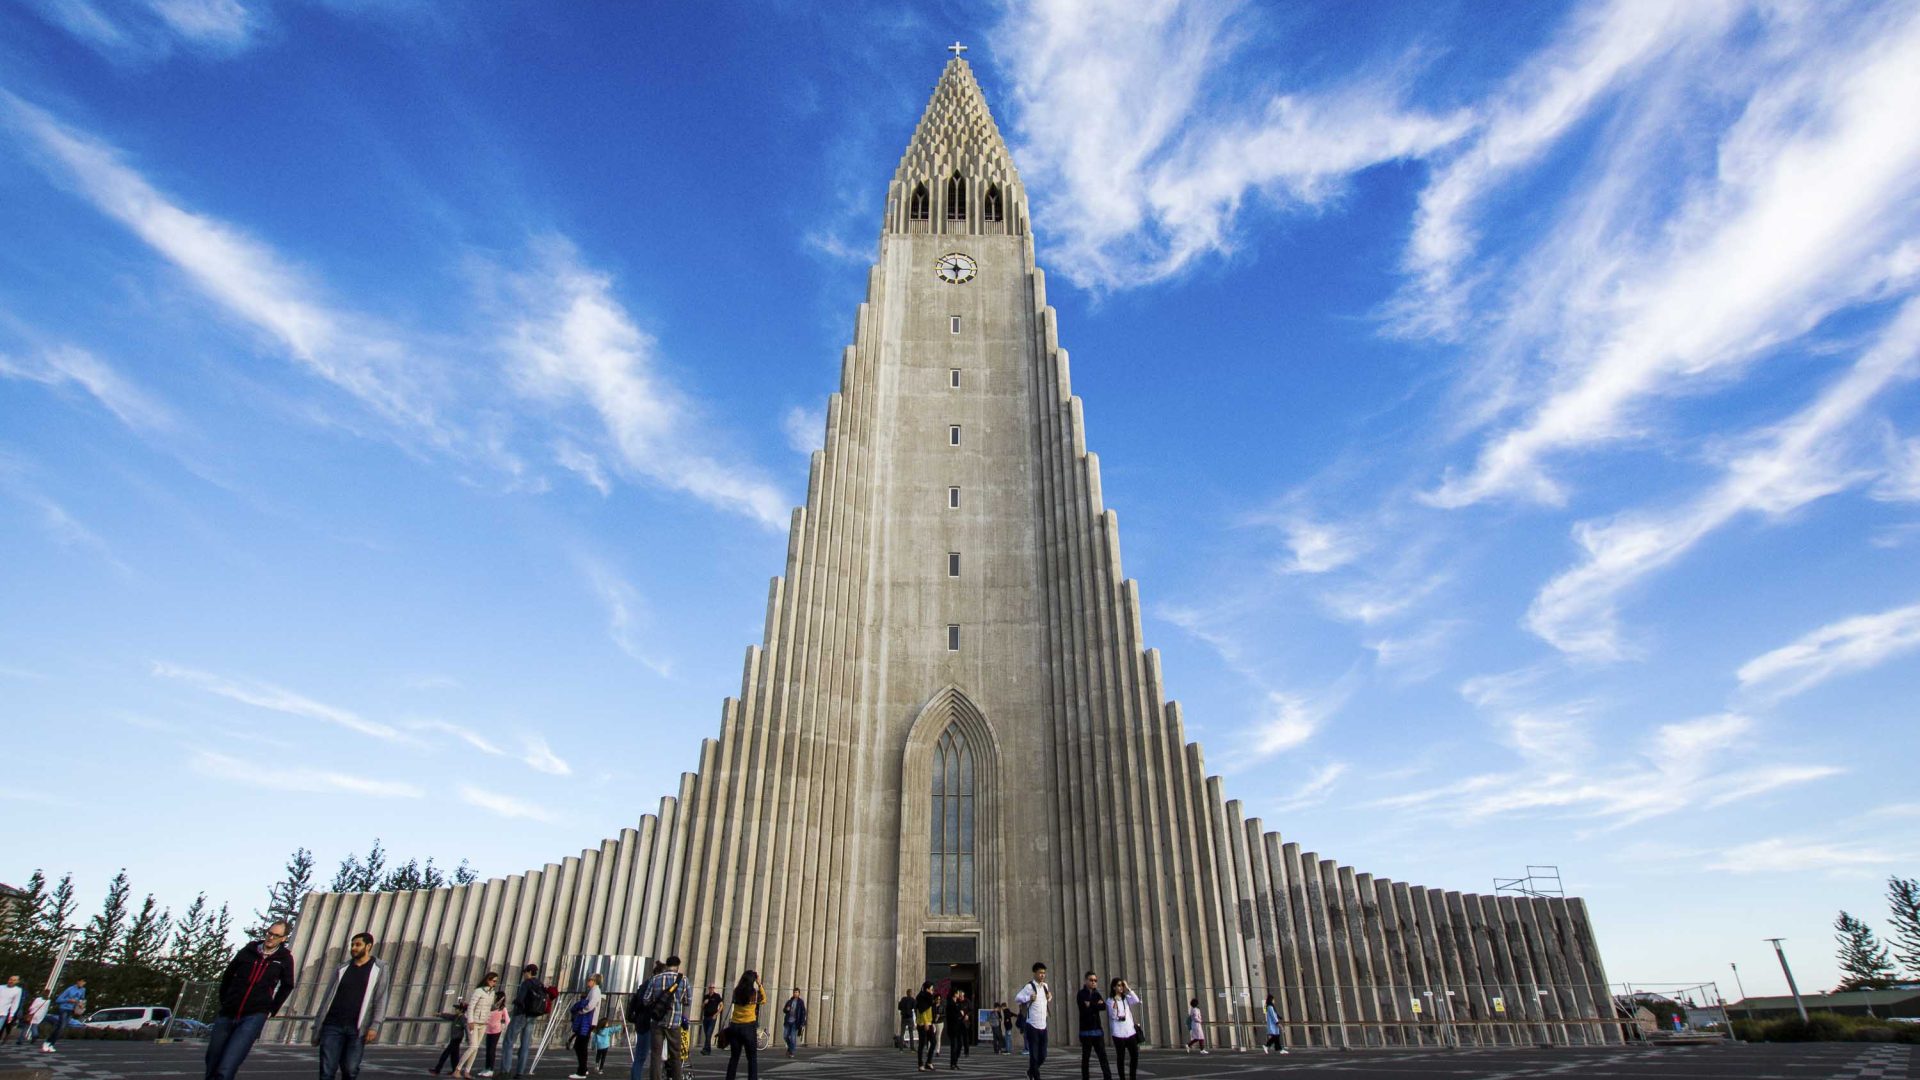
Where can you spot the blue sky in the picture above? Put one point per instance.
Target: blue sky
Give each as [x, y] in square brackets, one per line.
[1510, 411]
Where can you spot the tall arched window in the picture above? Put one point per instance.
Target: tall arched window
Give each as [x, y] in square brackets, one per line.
[917, 206]
[990, 206]
[950, 871]
[956, 198]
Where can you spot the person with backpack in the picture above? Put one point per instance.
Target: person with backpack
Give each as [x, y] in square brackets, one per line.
[1196, 1027]
[1031, 1003]
[450, 1054]
[581, 1016]
[530, 1003]
[660, 1009]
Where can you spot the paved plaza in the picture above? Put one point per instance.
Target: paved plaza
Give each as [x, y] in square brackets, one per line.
[1829, 1061]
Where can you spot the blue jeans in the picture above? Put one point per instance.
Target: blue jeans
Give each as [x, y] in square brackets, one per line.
[340, 1050]
[642, 1046]
[793, 1038]
[229, 1043]
[1036, 1050]
[520, 1032]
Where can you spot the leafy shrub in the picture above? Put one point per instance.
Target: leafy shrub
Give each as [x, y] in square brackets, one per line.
[1825, 1027]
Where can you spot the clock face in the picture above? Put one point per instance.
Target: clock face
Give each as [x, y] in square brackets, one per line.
[955, 268]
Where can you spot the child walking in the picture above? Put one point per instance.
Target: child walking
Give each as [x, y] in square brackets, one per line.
[1196, 1027]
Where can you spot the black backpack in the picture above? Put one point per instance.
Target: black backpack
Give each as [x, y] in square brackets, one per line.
[653, 1009]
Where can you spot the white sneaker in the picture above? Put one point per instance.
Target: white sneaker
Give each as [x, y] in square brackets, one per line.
[1266, 1049]
[576, 1076]
[1205, 1051]
[46, 1048]
[1284, 1050]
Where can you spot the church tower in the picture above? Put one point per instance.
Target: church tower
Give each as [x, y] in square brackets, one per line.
[952, 754]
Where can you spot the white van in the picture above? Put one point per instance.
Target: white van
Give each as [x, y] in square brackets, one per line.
[129, 1017]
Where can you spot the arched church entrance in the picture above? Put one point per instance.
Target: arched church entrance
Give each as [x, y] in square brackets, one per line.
[949, 914]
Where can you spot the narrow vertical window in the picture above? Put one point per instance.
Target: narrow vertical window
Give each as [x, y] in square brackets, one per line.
[953, 377]
[956, 198]
[953, 637]
[953, 564]
[953, 498]
[990, 206]
[953, 324]
[917, 205]
[950, 869]
[953, 435]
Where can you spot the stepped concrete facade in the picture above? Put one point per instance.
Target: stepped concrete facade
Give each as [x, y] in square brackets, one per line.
[953, 755]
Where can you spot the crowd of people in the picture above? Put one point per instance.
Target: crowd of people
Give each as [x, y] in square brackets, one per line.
[658, 1017]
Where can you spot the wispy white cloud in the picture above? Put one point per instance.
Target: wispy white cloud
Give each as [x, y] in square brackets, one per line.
[575, 344]
[1556, 90]
[1315, 790]
[55, 520]
[461, 732]
[1900, 482]
[1801, 218]
[1144, 165]
[506, 806]
[582, 464]
[277, 699]
[625, 610]
[69, 366]
[242, 274]
[1704, 762]
[1316, 547]
[144, 31]
[1789, 855]
[1849, 645]
[277, 776]
[804, 428]
[1790, 464]
[541, 758]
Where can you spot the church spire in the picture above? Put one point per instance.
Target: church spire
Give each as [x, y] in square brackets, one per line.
[957, 176]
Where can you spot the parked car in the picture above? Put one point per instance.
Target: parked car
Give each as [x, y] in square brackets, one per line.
[129, 1017]
[186, 1027]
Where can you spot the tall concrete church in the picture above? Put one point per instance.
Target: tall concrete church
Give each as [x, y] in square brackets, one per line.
[953, 755]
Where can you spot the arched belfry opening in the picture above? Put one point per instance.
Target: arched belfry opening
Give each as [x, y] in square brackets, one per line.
[990, 206]
[918, 205]
[949, 916]
[956, 198]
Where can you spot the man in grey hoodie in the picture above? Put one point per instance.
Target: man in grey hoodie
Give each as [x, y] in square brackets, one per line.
[351, 1014]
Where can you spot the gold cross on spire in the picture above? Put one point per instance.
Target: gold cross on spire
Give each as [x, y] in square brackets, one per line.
[956, 49]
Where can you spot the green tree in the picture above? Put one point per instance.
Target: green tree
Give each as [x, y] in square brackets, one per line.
[356, 875]
[146, 936]
[283, 899]
[211, 949]
[1903, 903]
[405, 878]
[101, 938]
[24, 935]
[187, 932]
[464, 875]
[57, 916]
[1863, 960]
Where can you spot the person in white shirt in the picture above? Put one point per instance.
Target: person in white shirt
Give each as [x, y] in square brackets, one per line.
[9, 1005]
[30, 1025]
[1121, 1002]
[1034, 998]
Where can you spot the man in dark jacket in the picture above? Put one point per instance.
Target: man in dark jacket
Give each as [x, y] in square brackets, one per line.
[256, 983]
[352, 1011]
[529, 1003]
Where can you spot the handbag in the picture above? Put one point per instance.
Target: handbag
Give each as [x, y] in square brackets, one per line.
[724, 1039]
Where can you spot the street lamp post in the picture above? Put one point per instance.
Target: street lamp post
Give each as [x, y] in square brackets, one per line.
[1791, 986]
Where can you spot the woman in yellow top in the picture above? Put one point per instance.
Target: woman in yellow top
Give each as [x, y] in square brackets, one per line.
[743, 1027]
